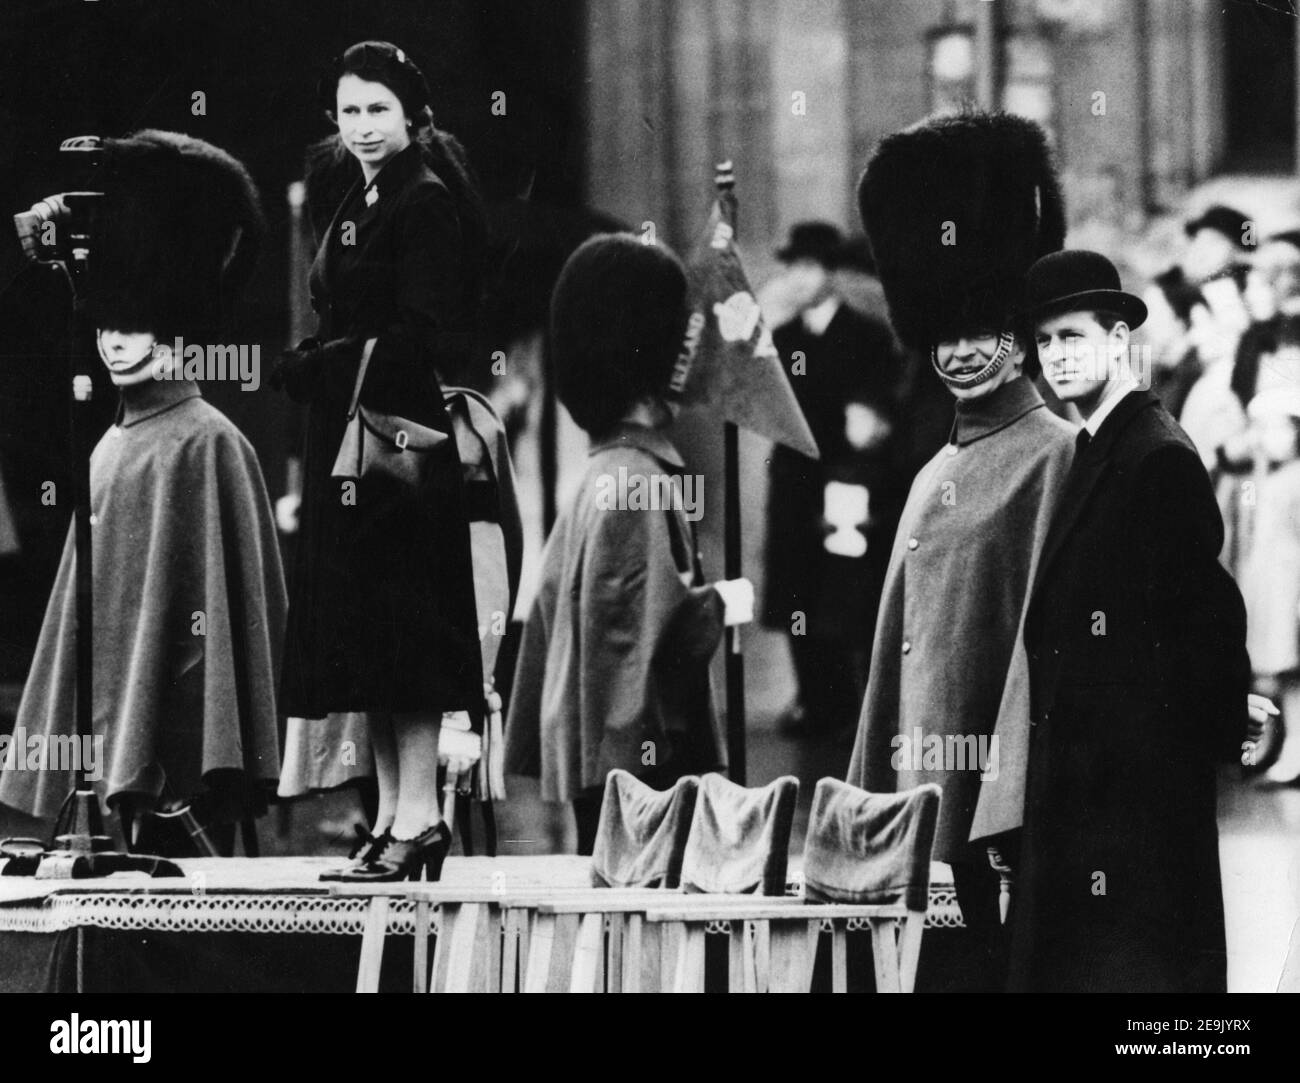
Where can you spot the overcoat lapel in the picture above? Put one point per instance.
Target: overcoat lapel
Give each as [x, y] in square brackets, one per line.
[1087, 471]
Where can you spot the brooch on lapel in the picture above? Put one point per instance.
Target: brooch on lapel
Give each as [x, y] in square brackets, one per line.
[372, 197]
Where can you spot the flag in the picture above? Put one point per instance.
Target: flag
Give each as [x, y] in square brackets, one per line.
[729, 362]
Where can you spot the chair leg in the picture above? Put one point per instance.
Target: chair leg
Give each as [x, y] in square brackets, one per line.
[839, 958]
[614, 967]
[420, 950]
[688, 971]
[372, 945]
[633, 955]
[460, 955]
[490, 948]
[884, 950]
[737, 954]
[248, 835]
[909, 952]
[762, 955]
[582, 977]
[539, 954]
[511, 939]
[794, 947]
[671, 935]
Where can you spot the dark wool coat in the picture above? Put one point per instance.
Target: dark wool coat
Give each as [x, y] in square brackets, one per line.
[181, 532]
[382, 613]
[853, 360]
[1119, 885]
[616, 649]
[947, 660]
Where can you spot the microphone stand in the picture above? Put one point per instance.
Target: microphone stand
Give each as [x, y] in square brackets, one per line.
[80, 849]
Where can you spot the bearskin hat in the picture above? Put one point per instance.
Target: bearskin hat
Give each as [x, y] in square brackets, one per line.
[618, 319]
[176, 239]
[957, 209]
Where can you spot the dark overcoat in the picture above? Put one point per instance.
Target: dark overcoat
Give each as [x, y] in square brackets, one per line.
[1138, 677]
[946, 661]
[382, 614]
[853, 361]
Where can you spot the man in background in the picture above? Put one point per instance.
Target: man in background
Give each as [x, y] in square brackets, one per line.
[831, 522]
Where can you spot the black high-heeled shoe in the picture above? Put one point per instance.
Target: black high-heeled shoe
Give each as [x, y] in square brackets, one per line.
[365, 852]
[403, 859]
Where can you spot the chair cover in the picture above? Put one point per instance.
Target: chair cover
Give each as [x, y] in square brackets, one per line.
[870, 847]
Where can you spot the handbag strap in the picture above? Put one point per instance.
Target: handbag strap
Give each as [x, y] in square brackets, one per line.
[361, 376]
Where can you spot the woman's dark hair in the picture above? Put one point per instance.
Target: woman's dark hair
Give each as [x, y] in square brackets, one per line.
[1180, 295]
[618, 319]
[331, 169]
[1259, 340]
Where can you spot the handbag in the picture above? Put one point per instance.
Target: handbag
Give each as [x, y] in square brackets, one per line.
[383, 445]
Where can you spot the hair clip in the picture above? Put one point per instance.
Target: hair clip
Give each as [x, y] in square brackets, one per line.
[401, 56]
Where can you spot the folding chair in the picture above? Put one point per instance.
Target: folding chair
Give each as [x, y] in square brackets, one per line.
[737, 844]
[740, 837]
[865, 848]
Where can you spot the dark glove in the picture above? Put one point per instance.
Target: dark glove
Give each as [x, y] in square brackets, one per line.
[293, 372]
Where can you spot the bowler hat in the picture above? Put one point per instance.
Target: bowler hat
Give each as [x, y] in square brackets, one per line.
[1076, 280]
[1231, 223]
[818, 241]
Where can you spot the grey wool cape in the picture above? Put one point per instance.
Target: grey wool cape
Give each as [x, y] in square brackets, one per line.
[948, 660]
[613, 670]
[189, 612]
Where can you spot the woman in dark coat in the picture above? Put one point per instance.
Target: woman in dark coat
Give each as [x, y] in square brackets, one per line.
[382, 615]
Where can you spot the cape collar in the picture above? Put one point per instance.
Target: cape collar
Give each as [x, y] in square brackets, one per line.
[142, 401]
[977, 418]
[651, 441]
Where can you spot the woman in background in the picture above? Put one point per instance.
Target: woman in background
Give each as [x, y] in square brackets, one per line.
[1270, 575]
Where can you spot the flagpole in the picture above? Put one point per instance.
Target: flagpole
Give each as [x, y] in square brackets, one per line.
[725, 181]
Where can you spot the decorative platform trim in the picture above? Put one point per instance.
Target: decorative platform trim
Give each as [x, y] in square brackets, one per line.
[281, 913]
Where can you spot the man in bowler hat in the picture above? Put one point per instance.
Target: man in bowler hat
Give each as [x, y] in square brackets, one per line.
[1137, 671]
[831, 522]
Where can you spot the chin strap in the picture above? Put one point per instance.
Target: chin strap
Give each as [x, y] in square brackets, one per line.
[1006, 341]
[152, 351]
